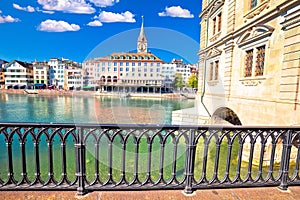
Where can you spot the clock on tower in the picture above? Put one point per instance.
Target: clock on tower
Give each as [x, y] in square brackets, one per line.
[142, 41]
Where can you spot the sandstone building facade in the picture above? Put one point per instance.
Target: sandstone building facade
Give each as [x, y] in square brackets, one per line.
[249, 61]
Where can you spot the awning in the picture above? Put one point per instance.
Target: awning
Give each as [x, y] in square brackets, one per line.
[39, 84]
[87, 87]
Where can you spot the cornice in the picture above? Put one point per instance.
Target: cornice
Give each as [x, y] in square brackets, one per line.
[213, 6]
[291, 20]
[261, 19]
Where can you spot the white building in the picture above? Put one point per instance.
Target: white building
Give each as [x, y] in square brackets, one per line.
[56, 72]
[178, 67]
[18, 75]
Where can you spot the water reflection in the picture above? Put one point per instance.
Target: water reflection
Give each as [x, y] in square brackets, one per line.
[81, 109]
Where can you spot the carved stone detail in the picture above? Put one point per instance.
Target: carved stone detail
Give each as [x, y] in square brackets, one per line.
[257, 10]
[251, 82]
[215, 37]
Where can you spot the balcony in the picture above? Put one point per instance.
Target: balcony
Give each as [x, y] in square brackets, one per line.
[91, 157]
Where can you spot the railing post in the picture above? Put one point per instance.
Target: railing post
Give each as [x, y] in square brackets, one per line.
[286, 152]
[80, 163]
[189, 171]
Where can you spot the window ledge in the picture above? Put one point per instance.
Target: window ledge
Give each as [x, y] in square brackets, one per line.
[215, 37]
[257, 10]
[252, 81]
[213, 82]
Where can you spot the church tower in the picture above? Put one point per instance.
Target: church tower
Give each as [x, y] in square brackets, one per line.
[142, 41]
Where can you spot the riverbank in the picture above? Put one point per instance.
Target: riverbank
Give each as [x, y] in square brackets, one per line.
[93, 93]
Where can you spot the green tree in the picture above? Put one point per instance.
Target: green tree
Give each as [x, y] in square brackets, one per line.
[178, 81]
[193, 81]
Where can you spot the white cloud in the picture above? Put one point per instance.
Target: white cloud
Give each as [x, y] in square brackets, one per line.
[57, 26]
[176, 11]
[69, 6]
[27, 9]
[104, 3]
[8, 18]
[45, 11]
[95, 23]
[109, 17]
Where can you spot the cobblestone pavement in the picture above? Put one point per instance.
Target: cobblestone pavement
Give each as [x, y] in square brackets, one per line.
[264, 193]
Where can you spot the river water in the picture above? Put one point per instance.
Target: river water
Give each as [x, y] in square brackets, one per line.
[79, 109]
[88, 109]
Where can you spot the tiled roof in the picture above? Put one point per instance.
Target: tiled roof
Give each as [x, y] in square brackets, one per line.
[24, 64]
[145, 56]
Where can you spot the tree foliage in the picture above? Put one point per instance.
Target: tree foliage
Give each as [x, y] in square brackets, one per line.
[193, 81]
[178, 81]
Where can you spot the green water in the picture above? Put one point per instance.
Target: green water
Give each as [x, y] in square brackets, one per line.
[79, 109]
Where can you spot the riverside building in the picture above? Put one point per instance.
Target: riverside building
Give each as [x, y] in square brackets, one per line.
[41, 75]
[18, 75]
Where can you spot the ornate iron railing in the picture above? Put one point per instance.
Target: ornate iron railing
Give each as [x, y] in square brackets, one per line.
[88, 157]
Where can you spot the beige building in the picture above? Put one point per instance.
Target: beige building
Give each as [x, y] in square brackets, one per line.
[249, 62]
[73, 78]
[41, 75]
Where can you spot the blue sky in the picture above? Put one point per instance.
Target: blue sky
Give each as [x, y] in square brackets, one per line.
[77, 29]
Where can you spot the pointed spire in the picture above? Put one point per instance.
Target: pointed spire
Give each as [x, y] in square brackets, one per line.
[142, 41]
[142, 36]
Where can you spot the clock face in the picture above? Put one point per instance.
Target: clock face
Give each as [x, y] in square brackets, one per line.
[142, 47]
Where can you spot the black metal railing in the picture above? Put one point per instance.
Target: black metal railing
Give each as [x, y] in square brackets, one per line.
[88, 157]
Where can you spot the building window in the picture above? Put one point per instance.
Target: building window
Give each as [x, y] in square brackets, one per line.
[216, 70]
[248, 63]
[260, 61]
[255, 61]
[214, 25]
[253, 3]
[213, 71]
[219, 22]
